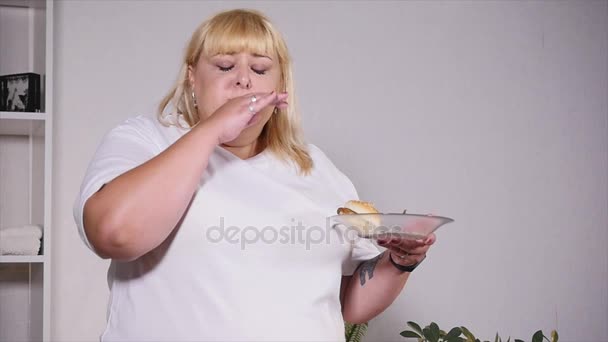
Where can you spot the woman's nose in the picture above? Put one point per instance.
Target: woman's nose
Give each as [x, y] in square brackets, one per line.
[243, 80]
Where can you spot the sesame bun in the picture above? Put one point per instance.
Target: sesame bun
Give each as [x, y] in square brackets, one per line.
[361, 207]
[366, 223]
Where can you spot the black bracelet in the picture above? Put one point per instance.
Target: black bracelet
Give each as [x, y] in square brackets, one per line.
[402, 268]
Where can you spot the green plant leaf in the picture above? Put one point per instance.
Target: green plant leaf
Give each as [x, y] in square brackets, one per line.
[355, 332]
[434, 332]
[348, 330]
[538, 336]
[409, 333]
[554, 336]
[431, 332]
[470, 337]
[509, 340]
[415, 326]
[516, 340]
[454, 339]
[455, 332]
[442, 333]
[497, 339]
[427, 333]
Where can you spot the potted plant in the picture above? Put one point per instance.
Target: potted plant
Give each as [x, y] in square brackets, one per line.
[432, 333]
[354, 332]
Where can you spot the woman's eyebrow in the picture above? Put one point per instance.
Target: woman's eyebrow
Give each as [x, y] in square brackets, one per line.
[259, 55]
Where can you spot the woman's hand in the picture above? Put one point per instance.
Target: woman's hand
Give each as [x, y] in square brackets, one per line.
[407, 252]
[239, 113]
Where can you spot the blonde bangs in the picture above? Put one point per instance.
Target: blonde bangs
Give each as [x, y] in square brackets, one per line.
[237, 32]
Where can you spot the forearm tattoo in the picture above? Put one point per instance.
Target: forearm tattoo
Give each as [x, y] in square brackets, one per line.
[367, 268]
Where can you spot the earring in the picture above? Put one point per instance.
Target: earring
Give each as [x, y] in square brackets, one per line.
[194, 100]
[275, 110]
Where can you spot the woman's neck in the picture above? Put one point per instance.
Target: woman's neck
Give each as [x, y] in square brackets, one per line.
[246, 151]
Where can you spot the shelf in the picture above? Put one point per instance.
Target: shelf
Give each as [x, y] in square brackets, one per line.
[26, 158]
[14, 259]
[22, 115]
[24, 3]
[18, 123]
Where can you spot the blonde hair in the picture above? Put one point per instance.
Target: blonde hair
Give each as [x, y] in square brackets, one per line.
[248, 31]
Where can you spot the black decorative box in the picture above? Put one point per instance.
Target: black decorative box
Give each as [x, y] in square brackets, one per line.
[20, 92]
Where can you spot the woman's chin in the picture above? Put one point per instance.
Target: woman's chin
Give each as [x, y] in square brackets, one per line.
[247, 136]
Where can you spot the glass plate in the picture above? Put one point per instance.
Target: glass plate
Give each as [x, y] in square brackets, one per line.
[409, 226]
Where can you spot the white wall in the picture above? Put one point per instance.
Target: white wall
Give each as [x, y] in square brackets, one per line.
[494, 113]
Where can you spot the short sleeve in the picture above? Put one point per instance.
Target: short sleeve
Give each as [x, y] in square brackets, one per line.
[361, 249]
[123, 148]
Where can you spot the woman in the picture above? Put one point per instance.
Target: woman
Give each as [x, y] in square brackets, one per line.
[214, 213]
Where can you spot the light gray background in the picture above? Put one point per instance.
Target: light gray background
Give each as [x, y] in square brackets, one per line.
[492, 112]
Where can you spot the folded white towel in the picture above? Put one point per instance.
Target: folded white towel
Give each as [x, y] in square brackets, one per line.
[19, 246]
[29, 231]
[23, 240]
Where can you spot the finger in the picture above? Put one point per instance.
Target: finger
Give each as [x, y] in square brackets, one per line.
[401, 252]
[282, 96]
[415, 249]
[258, 102]
[430, 239]
[261, 96]
[419, 250]
[406, 243]
[410, 250]
[398, 252]
[281, 101]
[281, 104]
[383, 239]
[406, 259]
[256, 105]
[398, 239]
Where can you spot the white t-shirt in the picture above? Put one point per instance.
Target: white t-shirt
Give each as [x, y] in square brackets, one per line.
[253, 259]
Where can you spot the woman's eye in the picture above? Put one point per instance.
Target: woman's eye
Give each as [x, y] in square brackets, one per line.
[223, 68]
[259, 71]
[228, 68]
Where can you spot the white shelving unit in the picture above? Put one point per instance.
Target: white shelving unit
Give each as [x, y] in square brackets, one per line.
[26, 154]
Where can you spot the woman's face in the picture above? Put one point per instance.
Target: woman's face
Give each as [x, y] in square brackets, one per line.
[220, 78]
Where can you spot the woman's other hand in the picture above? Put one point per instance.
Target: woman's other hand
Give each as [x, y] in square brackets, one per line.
[406, 251]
